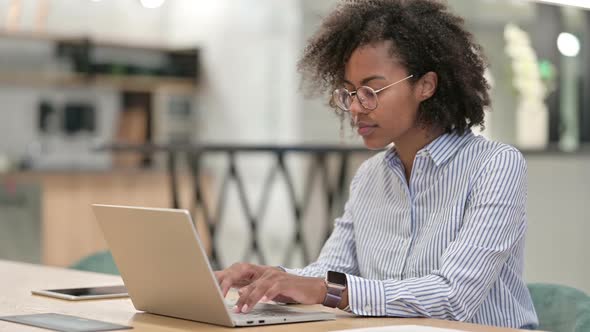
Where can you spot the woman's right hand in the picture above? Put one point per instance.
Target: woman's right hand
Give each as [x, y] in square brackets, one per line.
[239, 275]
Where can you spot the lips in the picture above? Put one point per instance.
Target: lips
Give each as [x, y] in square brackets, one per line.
[366, 128]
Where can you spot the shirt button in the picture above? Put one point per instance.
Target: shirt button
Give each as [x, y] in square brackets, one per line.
[367, 308]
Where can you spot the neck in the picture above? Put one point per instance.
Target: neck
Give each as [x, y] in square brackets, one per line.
[408, 146]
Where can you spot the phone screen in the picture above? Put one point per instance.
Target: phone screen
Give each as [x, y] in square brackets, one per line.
[90, 291]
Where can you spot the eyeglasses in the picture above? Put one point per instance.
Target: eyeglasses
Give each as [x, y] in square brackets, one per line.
[366, 96]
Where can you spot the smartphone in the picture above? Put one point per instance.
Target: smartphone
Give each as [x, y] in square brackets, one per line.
[85, 293]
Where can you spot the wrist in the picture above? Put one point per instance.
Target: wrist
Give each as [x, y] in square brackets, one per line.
[336, 289]
[322, 290]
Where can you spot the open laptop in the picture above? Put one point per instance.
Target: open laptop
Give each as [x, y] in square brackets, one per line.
[166, 270]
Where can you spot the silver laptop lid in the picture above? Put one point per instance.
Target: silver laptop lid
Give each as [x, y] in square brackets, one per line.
[162, 262]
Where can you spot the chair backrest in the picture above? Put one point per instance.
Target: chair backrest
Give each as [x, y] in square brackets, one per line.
[101, 262]
[561, 308]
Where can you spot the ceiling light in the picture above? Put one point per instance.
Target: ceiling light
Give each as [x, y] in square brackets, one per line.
[574, 3]
[568, 44]
[151, 4]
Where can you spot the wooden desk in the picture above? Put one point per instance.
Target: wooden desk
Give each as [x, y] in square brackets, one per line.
[18, 279]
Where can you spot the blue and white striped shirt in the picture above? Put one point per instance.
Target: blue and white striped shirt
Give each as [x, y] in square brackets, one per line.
[448, 245]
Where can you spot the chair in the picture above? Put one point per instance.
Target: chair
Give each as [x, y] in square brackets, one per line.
[561, 308]
[101, 262]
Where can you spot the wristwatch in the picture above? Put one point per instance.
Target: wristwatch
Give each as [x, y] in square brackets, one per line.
[336, 284]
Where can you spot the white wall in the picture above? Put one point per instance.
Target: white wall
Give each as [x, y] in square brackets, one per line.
[559, 220]
[319, 122]
[249, 90]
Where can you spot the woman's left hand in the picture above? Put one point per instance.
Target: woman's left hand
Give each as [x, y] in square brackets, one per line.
[278, 285]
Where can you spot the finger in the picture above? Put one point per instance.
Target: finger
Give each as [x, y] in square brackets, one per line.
[225, 285]
[226, 282]
[241, 283]
[232, 278]
[255, 294]
[244, 292]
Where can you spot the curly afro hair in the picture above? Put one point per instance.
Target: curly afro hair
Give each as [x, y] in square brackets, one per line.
[426, 37]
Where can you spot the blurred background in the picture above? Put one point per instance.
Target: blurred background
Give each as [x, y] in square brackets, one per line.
[197, 105]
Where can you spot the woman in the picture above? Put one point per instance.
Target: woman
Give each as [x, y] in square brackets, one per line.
[435, 225]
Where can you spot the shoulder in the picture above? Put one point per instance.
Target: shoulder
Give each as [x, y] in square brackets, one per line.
[481, 150]
[485, 155]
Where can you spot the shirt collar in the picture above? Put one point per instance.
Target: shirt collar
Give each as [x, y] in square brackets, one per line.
[440, 150]
[391, 156]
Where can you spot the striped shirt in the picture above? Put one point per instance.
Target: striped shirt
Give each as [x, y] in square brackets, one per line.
[449, 244]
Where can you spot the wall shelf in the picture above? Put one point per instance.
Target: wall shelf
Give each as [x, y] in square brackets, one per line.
[91, 61]
[135, 83]
[34, 36]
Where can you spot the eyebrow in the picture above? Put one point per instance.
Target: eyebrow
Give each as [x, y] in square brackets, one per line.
[367, 80]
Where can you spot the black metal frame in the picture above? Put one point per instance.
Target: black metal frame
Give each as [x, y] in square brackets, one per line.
[335, 193]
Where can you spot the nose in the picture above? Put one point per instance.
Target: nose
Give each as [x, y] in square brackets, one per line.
[355, 107]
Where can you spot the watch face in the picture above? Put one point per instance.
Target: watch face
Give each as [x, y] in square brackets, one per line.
[336, 278]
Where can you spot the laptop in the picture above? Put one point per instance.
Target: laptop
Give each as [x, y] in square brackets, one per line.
[166, 270]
